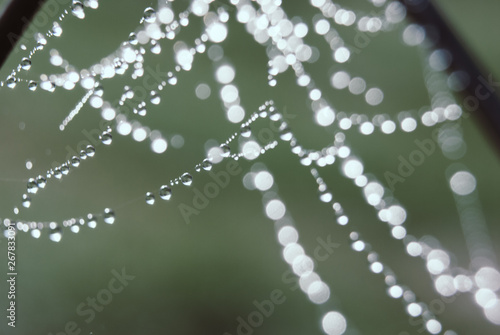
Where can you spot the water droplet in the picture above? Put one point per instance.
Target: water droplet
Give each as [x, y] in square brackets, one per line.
[286, 134]
[246, 131]
[40, 39]
[149, 15]
[57, 173]
[186, 179]
[26, 64]
[275, 116]
[172, 80]
[11, 82]
[226, 150]
[32, 85]
[165, 192]
[32, 186]
[155, 48]
[206, 165]
[75, 161]
[155, 98]
[65, 169]
[132, 39]
[91, 221]
[90, 151]
[56, 29]
[150, 198]
[83, 154]
[77, 9]
[106, 138]
[326, 196]
[109, 216]
[99, 90]
[41, 181]
[55, 234]
[26, 201]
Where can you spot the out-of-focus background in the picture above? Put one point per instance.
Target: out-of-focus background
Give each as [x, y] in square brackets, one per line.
[199, 278]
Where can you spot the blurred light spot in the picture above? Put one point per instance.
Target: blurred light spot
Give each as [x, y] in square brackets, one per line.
[463, 183]
[287, 235]
[334, 323]
[263, 180]
[159, 145]
[275, 209]
[444, 285]
[488, 277]
[225, 74]
[202, 91]
[374, 96]
[352, 168]
[235, 114]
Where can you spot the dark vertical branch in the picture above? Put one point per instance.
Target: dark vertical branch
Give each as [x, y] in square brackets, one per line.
[16, 17]
[480, 99]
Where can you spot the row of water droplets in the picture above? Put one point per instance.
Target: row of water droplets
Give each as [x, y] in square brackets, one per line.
[303, 266]
[165, 192]
[483, 279]
[218, 154]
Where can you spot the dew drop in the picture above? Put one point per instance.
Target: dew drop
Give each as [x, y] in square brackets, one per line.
[26, 64]
[132, 39]
[32, 85]
[186, 179]
[77, 9]
[41, 181]
[56, 29]
[99, 90]
[246, 131]
[326, 196]
[286, 134]
[149, 15]
[55, 234]
[155, 98]
[11, 82]
[32, 186]
[150, 198]
[90, 151]
[109, 216]
[206, 165]
[75, 161]
[226, 150]
[57, 173]
[64, 169]
[106, 138]
[26, 201]
[91, 221]
[83, 154]
[165, 192]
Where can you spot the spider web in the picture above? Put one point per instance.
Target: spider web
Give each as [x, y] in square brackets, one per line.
[342, 110]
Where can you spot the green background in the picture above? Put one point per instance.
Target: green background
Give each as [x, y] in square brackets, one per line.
[198, 278]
